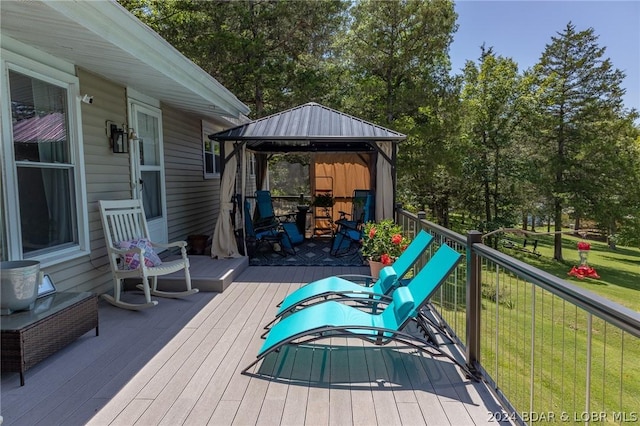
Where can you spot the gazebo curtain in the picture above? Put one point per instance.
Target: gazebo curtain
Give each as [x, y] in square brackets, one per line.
[261, 171]
[350, 171]
[224, 241]
[384, 183]
[345, 172]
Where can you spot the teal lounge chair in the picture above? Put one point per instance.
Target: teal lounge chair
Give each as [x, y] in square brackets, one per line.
[342, 288]
[334, 319]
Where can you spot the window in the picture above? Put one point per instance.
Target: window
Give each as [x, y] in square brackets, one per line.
[211, 158]
[45, 216]
[252, 164]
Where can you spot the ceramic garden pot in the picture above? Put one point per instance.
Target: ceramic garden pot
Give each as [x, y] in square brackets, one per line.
[375, 268]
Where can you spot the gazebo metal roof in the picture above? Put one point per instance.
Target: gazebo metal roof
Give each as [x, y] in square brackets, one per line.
[310, 127]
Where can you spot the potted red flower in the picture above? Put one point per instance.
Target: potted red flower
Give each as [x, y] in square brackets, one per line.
[382, 243]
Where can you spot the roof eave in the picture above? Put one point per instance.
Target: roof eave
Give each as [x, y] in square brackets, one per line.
[104, 38]
[113, 22]
[330, 139]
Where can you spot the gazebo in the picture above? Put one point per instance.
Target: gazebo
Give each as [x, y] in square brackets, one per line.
[353, 152]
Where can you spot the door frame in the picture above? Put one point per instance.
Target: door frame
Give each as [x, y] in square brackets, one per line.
[158, 227]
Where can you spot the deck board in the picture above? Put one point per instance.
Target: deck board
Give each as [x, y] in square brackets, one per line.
[383, 400]
[339, 397]
[362, 396]
[295, 412]
[180, 363]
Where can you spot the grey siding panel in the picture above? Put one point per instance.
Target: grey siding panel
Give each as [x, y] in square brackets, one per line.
[108, 174]
[192, 200]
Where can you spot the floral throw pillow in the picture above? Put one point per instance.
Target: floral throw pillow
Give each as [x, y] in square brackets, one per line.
[132, 260]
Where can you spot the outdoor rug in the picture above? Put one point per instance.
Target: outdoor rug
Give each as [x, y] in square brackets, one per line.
[312, 252]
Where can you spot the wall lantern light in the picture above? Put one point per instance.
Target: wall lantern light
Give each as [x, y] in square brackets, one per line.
[117, 138]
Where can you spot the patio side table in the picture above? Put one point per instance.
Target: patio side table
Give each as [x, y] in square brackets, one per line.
[28, 337]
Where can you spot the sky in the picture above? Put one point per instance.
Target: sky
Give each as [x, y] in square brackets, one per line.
[521, 30]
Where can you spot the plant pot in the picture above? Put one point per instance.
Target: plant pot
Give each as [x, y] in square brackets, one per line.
[197, 244]
[19, 281]
[375, 268]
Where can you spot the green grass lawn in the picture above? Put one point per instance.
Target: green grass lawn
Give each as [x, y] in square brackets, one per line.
[559, 357]
[619, 269]
[537, 332]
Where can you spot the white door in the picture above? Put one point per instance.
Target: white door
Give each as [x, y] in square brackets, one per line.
[147, 167]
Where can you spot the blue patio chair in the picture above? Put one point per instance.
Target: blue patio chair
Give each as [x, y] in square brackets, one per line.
[266, 216]
[334, 319]
[267, 219]
[275, 238]
[339, 287]
[349, 231]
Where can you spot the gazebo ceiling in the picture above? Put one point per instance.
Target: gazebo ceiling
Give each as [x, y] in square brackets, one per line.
[309, 128]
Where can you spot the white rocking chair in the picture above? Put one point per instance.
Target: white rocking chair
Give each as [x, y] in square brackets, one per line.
[124, 221]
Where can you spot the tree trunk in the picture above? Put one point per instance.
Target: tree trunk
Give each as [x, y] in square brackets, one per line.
[446, 212]
[259, 99]
[487, 189]
[611, 238]
[525, 221]
[487, 201]
[557, 241]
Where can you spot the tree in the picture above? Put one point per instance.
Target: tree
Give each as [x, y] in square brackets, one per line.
[429, 160]
[491, 102]
[614, 197]
[271, 54]
[577, 89]
[392, 49]
[396, 56]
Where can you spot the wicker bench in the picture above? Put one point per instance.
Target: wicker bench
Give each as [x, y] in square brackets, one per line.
[29, 337]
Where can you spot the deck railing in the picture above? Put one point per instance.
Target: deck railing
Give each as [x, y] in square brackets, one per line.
[550, 350]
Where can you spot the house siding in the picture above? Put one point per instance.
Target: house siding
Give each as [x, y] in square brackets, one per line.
[192, 200]
[35, 36]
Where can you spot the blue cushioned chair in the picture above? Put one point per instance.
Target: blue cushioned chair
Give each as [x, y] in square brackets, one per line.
[266, 216]
[349, 231]
[277, 240]
[267, 219]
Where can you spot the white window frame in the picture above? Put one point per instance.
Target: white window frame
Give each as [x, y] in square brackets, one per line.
[206, 131]
[37, 70]
[252, 164]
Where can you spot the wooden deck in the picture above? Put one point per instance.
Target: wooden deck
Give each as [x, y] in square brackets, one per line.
[180, 363]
